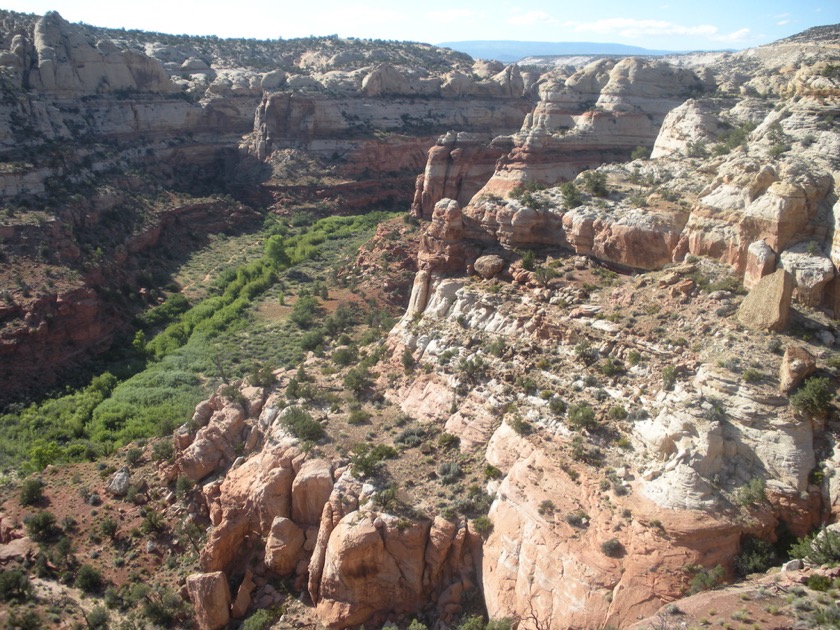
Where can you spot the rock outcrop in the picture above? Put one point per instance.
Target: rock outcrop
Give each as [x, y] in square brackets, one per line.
[367, 564]
[797, 365]
[811, 272]
[761, 261]
[71, 64]
[289, 512]
[210, 595]
[767, 306]
[283, 546]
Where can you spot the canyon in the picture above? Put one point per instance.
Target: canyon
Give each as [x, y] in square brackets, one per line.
[624, 277]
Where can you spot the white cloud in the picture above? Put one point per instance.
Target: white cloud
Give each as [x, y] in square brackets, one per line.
[741, 35]
[634, 28]
[782, 22]
[529, 18]
[450, 15]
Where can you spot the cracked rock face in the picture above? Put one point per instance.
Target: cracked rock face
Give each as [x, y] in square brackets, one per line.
[811, 271]
[767, 307]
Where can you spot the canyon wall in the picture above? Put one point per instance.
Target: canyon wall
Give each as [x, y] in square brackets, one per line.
[86, 111]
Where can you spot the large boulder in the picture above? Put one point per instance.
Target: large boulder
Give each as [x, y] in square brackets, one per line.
[215, 444]
[767, 306]
[489, 266]
[310, 491]
[249, 499]
[210, 595]
[761, 261]
[373, 564]
[282, 549]
[120, 482]
[811, 271]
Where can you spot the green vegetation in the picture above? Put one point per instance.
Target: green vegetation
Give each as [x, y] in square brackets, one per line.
[449, 472]
[14, 586]
[262, 619]
[582, 416]
[669, 377]
[755, 556]
[595, 183]
[578, 519]
[814, 397]
[299, 423]
[199, 345]
[752, 493]
[482, 524]
[733, 137]
[571, 195]
[525, 193]
[705, 579]
[611, 367]
[31, 491]
[88, 579]
[366, 460]
[612, 548]
[821, 547]
[41, 526]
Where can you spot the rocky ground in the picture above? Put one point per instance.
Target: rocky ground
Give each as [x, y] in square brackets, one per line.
[483, 413]
[611, 390]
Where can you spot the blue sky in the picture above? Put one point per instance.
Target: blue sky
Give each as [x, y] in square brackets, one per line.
[661, 24]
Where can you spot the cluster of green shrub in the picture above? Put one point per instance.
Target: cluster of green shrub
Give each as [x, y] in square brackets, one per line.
[525, 193]
[178, 361]
[733, 137]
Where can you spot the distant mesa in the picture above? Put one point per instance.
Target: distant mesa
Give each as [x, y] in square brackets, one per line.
[509, 51]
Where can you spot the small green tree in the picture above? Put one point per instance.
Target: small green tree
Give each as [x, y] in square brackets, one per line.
[98, 618]
[755, 556]
[88, 579]
[612, 548]
[814, 397]
[108, 527]
[260, 620]
[473, 622]
[822, 547]
[571, 195]
[31, 491]
[299, 423]
[366, 460]
[581, 416]
[482, 524]
[669, 377]
[407, 360]
[529, 260]
[41, 526]
[153, 522]
[14, 585]
[595, 183]
[304, 311]
[706, 579]
[751, 493]
[132, 456]
[358, 379]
